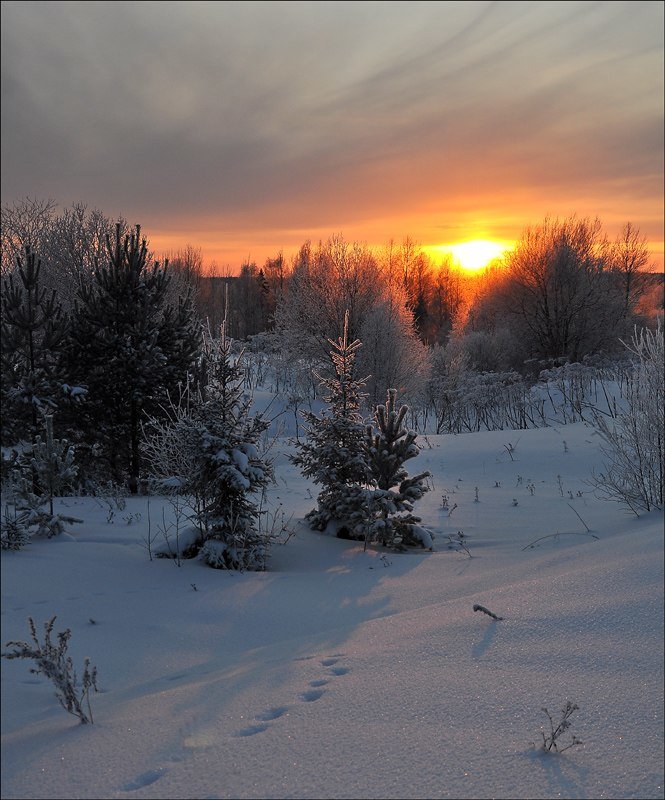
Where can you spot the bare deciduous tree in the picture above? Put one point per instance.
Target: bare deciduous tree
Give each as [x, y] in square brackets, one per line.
[25, 223]
[69, 243]
[634, 442]
[326, 281]
[559, 290]
[629, 258]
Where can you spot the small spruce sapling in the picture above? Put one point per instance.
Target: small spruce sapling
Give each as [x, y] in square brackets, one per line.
[43, 472]
[333, 453]
[389, 446]
[207, 454]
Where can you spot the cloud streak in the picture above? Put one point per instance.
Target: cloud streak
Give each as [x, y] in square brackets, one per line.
[239, 119]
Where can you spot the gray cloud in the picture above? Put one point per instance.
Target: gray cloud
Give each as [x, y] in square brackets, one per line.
[297, 114]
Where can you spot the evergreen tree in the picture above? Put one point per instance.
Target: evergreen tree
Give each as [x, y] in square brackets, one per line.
[52, 462]
[390, 504]
[333, 453]
[43, 472]
[209, 451]
[33, 334]
[130, 346]
[230, 467]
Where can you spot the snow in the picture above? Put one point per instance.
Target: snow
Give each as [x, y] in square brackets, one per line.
[342, 673]
[240, 459]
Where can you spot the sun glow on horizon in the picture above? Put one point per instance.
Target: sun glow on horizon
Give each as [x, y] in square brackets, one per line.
[474, 254]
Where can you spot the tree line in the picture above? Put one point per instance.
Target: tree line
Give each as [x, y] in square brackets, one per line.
[100, 333]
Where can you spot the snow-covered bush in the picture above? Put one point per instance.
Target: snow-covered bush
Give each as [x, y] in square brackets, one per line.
[460, 399]
[634, 441]
[466, 400]
[52, 661]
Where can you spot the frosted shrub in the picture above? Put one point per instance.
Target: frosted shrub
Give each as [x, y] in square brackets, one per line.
[634, 442]
[52, 660]
[465, 400]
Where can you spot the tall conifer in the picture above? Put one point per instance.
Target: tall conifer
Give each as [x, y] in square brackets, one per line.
[130, 346]
[33, 332]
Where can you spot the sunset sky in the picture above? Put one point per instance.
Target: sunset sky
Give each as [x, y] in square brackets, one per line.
[245, 128]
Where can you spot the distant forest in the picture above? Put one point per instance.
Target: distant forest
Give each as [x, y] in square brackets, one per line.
[565, 291]
[102, 334]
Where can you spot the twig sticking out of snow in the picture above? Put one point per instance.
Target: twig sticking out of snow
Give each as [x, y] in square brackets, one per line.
[478, 607]
[580, 518]
[550, 742]
[562, 533]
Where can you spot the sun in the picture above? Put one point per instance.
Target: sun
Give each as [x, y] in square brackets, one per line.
[477, 253]
[474, 254]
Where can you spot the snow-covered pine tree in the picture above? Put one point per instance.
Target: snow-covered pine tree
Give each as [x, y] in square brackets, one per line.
[390, 504]
[33, 332]
[231, 466]
[130, 346]
[333, 453]
[209, 450]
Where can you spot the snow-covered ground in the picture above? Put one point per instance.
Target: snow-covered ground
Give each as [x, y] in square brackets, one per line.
[343, 673]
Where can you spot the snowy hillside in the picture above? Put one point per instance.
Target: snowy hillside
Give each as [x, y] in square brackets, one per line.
[342, 673]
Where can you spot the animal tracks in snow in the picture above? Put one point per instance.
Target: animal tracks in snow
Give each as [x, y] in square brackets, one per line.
[251, 730]
[262, 717]
[145, 779]
[203, 737]
[330, 662]
[312, 694]
[310, 697]
[272, 713]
